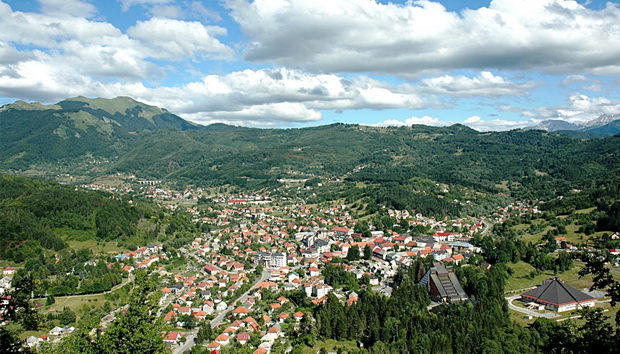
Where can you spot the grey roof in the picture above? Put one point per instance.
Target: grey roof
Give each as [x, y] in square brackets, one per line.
[446, 283]
[553, 291]
[321, 243]
[460, 244]
[425, 239]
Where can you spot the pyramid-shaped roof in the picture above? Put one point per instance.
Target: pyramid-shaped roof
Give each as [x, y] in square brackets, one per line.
[555, 292]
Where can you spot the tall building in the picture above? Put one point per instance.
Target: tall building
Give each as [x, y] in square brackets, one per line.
[268, 259]
[442, 284]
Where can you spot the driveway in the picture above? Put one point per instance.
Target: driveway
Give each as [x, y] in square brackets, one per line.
[527, 311]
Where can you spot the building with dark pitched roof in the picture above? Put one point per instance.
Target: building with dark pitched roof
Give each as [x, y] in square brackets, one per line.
[558, 296]
[443, 285]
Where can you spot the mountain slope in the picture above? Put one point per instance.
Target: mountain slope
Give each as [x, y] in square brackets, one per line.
[602, 120]
[122, 135]
[76, 128]
[588, 130]
[611, 128]
[524, 161]
[554, 125]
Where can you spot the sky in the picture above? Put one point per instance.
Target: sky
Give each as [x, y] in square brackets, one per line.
[492, 65]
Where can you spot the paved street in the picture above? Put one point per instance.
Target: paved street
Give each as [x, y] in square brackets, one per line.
[189, 342]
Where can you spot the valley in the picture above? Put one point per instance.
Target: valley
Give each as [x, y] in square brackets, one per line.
[267, 240]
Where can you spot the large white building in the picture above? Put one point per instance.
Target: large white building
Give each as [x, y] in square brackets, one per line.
[268, 259]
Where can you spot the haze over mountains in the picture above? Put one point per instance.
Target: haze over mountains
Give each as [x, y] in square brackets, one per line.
[605, 124]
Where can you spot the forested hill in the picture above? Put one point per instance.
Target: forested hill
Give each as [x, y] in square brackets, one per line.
[33, 211]
[94, 136]
[77, 128]
[524, 161]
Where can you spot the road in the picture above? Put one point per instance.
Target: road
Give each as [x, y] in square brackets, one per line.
[189, 339]
[487, 227]
[532, 313]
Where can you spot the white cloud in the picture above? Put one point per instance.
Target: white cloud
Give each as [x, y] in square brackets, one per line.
[176, 40]
[198, 10]
[179, 9]
[126, 4]
[100, 49]
[477, 123]
[580, 109]
[265, 115]
[574, 78]
[473, 122]
[425, 120]
[168, 11]
[485, 84]
[258, 97]
[62, 8]
[368, 36]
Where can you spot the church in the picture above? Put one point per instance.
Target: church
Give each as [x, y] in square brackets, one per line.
[557, 296]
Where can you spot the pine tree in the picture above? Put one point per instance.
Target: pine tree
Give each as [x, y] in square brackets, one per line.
[353, 254]
[205, 333]
[367, 253]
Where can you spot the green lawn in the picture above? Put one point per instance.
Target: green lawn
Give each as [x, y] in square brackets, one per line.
[329, 345]
[76, 303]
[26, 334]
[110, 180]
[520, 279]
[520, 319]
[576, 237]
[585, 211]
[98, 247]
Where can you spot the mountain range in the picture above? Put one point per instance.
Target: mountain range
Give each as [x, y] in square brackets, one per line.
[92, 137]
[604, 125]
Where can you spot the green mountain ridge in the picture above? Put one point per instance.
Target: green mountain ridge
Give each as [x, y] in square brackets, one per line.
[153, 143]
[76, 128]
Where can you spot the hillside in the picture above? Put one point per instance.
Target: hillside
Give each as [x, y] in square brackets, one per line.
[36, 213]
[76, 129]
[519, 161]
[92, 137]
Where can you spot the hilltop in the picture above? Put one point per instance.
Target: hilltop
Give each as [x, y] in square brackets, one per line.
[33, 133]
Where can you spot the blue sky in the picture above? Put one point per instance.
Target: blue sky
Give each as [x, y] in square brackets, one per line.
[493, 65]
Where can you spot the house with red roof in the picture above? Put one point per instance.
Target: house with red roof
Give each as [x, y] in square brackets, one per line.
[243, 337]
[223, 339]
[173, 337]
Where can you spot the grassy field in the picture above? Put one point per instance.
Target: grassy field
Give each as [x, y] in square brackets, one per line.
[520, 319]
[330, 345]
[98, 247]
[111, 180]
[585, 211]
[76, 303]
[572, 234]
[520, 279]
[26, 334]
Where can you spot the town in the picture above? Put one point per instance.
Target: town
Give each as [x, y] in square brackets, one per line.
[244, 281]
